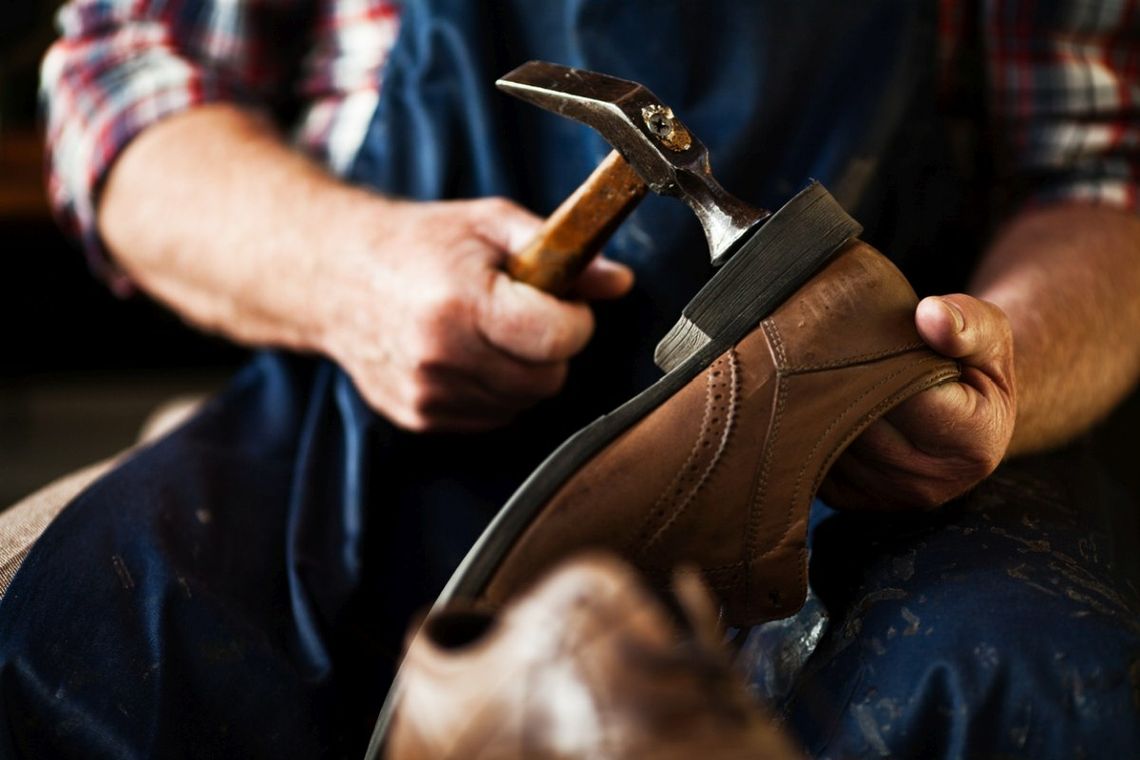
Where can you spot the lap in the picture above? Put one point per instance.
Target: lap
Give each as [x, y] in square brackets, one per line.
[183, 600]
[242, 587]
[1006, 623]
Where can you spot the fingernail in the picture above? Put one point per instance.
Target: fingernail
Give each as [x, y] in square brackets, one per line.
[955, 315]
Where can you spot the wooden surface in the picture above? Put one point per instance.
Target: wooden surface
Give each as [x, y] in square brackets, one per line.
[577, 229]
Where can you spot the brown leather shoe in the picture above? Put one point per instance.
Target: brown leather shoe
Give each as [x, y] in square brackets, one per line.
[716, 465]
[586, 665]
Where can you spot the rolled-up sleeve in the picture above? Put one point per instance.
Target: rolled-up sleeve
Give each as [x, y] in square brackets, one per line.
[122, 65]
[1066, 97]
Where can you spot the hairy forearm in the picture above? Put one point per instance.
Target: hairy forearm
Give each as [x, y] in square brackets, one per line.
[1068, 277]
[213, 214]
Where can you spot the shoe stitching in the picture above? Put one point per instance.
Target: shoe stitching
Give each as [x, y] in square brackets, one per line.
[819, 442]
[911, 389]
[726, 418]
[783, 372]
[642, 535]
[657, 514]
[751, 538]
[857, 359]
[801, 569]
[835, 423]
[801, 565]
[724, 568]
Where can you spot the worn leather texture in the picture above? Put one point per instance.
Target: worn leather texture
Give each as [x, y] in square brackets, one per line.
[587, 665]
[723, 473]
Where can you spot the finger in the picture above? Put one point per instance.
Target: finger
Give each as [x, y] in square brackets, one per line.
[518, 382]
[460, 422]
[852, 485]
[603, 279]
[453, 403]
[530, 325]
[958, 433]
[837, 490]
[879, 474]
[439, 410]
[504, 224]
[499, 380]
[935, 420]
[973, 331]
[455, 413]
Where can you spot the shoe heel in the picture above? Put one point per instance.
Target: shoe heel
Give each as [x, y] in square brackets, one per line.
[771, 265]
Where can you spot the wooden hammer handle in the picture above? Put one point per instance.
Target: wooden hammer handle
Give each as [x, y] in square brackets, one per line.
[578, 228]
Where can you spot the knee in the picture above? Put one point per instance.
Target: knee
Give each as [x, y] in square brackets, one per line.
[1030, 656]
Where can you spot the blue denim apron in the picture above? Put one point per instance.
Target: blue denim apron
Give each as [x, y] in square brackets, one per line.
[242, 587]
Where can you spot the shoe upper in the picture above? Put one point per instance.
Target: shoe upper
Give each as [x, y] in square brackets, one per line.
[721, 475]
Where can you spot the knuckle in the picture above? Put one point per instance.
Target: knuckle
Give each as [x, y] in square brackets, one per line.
[402, 413]
[432, 353]
[556, 378]
[420, 377]
[553, 341]
[545, 340]
[542, 382]
[998, 322]
[930, 496]
[563, 337]
[983, 458]
[436, 331]
[420, 399]
[415, 423]
[444, 306]
[496, 205]
[374, 398]
[986, 463]
[415, 419]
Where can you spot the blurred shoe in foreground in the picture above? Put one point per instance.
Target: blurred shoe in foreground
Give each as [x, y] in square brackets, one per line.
[588, 664]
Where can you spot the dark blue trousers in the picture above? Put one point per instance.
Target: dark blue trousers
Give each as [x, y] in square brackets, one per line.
[1004, 625]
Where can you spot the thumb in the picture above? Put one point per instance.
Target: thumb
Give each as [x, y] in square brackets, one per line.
[603, 279]
[532, 325]
[973, 331]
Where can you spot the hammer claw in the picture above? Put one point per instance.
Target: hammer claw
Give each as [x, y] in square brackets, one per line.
[645, 132]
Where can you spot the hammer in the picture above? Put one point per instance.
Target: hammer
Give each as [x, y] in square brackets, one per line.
[652, 150]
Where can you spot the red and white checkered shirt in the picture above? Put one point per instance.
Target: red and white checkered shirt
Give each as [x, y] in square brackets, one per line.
[1062, 77]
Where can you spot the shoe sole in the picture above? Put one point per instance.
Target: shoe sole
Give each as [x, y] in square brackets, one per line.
[791, 246]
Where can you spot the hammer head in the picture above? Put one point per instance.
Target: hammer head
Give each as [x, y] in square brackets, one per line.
[669, 158]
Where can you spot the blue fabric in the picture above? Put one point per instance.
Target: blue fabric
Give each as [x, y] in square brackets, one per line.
[1004, 625]
[242, 587]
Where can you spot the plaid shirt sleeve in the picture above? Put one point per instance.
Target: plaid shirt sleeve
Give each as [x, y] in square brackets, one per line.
[1065, 95]
[122, 65]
